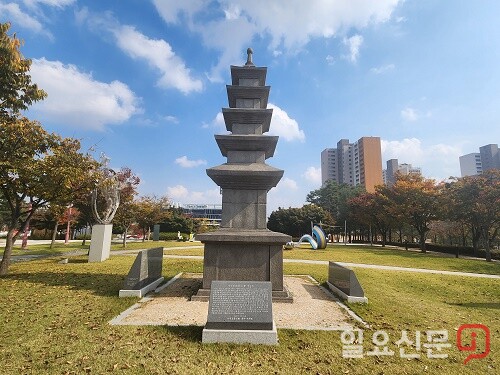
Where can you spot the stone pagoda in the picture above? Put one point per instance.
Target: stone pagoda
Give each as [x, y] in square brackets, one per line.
[243, 249]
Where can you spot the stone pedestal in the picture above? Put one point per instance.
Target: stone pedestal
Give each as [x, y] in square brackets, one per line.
[238, 255]
[100, 243]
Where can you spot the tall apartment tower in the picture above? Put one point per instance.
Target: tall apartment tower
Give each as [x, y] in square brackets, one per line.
[470, 164]
[358, 163]
[393, 167]
[477, 163]
[490, 158]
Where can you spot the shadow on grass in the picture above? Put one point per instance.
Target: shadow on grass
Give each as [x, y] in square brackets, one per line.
[484, 305]
[189, 333]
[102, 284]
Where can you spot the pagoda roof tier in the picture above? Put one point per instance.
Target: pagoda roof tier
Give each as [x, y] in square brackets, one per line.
[248, 92]
[247, 143]
[248, 72]
[247, 116]
[241, 176]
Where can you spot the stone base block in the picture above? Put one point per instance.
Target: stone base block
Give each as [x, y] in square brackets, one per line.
[345, 297]
[248, 336]
[100, 242]
[140, 292]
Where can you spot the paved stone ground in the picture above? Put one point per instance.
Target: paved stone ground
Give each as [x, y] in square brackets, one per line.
[313, 307]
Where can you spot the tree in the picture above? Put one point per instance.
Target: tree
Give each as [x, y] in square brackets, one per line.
[372, 209]
[37, 168]
[297, 221]
[475, 201]
[333, 197]
[414, 200]
[151, 210]
[17, 92]
[127, 210]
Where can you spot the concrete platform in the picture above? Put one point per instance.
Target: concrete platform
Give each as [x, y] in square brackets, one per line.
[313, 307]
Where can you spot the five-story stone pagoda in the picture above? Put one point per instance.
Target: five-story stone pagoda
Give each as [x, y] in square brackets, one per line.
[243, 249]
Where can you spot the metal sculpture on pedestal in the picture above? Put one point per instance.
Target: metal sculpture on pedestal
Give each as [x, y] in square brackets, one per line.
[243, 249]
[105, 202]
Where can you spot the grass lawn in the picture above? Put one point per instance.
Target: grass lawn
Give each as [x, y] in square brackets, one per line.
[60, 248]
[381, 256]
[54, 320]
[390, 256]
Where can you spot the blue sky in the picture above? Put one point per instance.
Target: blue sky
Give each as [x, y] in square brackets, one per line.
[144, 81]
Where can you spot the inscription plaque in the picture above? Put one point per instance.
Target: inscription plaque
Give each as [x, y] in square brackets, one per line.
[345, 280]
[245, 305]
[156, 232]
[145, 273]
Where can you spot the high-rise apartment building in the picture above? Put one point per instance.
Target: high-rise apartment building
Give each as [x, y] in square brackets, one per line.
[470, 164]
[490, 158]
[477, 163]
[358, 163]
[394, 167]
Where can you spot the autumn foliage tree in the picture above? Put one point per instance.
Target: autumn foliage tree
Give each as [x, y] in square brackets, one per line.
[475, 202]
[373, 209]
[127, 211]
[36, 167]
[151, 210]
[416, 201]
[17, 92]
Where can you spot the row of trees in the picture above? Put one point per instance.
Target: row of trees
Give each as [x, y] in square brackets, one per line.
[42, 173]
[467, 208]
[36, 167]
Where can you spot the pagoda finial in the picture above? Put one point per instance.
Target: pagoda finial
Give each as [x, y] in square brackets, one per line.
[249, 58]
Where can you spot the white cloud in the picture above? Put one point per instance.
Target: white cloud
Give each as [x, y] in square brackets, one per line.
[170, 11]
[382, 69]
[13, 13]
[439, 161]
[313, 175]
[286, 194]
[156, 52]
[281, 125]
[353, 43]
[181, 194]
[184, 162]
[288, 184]
[217, 124]
[159, 54]
[330, 60]
[171, 119]
[290, 24]
[75, 98]
[53, 3]
[409, 114]
[284, 126]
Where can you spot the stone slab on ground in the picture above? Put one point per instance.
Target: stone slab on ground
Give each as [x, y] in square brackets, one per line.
[241, 336]
[312, 307]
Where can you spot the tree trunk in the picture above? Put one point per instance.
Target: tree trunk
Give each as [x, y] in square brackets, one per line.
[487, 250]
[124, 243]
[384, 238]
[54, 234]
[9, 243]
[422, 242]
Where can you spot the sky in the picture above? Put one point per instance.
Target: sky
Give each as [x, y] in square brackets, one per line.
[143, 81]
